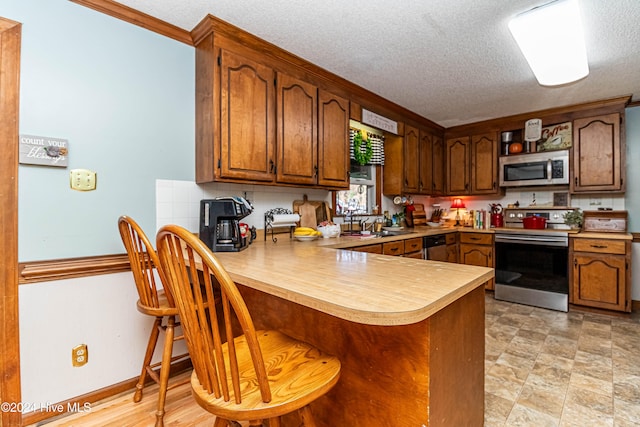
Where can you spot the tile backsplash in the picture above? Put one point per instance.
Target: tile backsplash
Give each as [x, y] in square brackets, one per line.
[178, 202]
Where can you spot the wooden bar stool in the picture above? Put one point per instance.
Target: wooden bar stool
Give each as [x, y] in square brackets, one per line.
[154, 302]
[230, 379]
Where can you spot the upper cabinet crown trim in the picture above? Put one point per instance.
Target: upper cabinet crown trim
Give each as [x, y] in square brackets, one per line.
[283, 60]
[127, 14]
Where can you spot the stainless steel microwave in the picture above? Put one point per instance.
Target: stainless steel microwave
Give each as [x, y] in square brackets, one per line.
[535, 169]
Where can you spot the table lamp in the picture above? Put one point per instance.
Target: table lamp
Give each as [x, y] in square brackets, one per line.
[457, 205]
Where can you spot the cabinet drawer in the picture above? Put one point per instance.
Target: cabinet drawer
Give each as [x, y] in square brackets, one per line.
[393, 248]
[599, 246]
[413, 245]
[476, 238]
[372, 249]
[416, 255]
[451, 238]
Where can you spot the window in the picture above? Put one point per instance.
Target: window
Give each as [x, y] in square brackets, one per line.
[363, 194]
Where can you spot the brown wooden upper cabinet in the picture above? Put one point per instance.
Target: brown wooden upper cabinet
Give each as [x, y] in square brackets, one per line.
[264, 125]
[411, 153]
[415, 163]
[247, 123]
[457, 165]
[471, 164]
[484, 163]
[333, 140]
[428, 158]
[598, 154]
[297, 147]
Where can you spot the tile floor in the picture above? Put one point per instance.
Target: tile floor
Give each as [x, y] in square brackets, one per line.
[548, 368]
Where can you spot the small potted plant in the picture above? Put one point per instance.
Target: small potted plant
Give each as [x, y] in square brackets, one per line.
[573, 218]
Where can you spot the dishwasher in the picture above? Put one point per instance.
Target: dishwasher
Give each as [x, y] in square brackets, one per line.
[435, 248]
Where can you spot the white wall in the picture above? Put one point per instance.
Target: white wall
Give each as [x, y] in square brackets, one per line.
[98, 311]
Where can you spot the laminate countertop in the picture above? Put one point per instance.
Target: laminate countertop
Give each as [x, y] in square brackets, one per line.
[360, 287]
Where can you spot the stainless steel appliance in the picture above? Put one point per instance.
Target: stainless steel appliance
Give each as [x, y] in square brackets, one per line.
[435, 247]
[535, 169]
[220, 223]
[532, 264]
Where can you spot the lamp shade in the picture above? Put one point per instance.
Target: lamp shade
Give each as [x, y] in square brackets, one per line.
[552, 41]
[457, 204]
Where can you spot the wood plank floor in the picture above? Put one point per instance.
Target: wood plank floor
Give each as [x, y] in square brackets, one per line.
[180, 410]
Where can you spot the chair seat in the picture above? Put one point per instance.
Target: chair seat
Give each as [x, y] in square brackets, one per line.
[163, 309]
[298, 374]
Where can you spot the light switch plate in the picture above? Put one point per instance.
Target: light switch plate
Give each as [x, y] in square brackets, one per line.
[82, 179]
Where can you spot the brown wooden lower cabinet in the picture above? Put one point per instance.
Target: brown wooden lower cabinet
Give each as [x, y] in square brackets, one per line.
[413, 248]
[600, 273]
[477, 249]
[393, 248]
[452, 247]
[372, 249]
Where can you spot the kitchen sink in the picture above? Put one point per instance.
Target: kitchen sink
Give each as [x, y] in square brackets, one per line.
[384, 233]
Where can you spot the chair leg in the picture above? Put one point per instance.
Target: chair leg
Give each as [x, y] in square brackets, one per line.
[307, 417]
[275, 422]
[165, 369]
[151, 346]
[221, 422]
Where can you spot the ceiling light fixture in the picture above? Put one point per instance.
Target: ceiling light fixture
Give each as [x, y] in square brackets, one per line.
[551, 38]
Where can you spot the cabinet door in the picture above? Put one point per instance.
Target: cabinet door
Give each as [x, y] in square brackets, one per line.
[599, 281]
[457, 166]
[247, 119]
[597, 154]
[484, 163]
[333, 140]
[437, 166]
[452, 253]
[425, 172]
[478, 255]
[411, 159]
[297, 142]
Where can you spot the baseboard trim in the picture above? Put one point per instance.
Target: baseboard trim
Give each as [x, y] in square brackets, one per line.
[64, 407]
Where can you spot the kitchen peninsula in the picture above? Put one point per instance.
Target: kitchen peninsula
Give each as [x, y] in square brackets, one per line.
[409, 332]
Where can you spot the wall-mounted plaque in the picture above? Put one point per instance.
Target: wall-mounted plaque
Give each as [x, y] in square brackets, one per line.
[42, 150]
[556, 137]
[378, 121]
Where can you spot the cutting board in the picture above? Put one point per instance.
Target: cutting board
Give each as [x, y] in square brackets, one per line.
[419, 215]
[312, 212]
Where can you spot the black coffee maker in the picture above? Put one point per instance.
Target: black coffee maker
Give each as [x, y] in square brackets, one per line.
[220, 223]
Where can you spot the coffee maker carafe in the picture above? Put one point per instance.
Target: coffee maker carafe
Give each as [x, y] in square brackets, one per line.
[220, 223]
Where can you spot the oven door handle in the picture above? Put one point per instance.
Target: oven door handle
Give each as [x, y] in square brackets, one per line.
[549, 170]
[533, 240]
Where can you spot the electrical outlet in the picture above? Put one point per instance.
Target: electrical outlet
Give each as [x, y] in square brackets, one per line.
[82, 179]
[79, 355]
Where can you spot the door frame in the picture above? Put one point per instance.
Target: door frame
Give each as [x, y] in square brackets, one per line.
[10, 42]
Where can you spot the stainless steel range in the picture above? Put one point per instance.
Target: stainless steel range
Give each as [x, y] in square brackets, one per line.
[532, 264]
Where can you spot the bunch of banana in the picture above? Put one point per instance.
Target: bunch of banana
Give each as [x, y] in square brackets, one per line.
[306, 231]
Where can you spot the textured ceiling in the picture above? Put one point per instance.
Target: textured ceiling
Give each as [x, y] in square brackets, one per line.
[453, 62]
